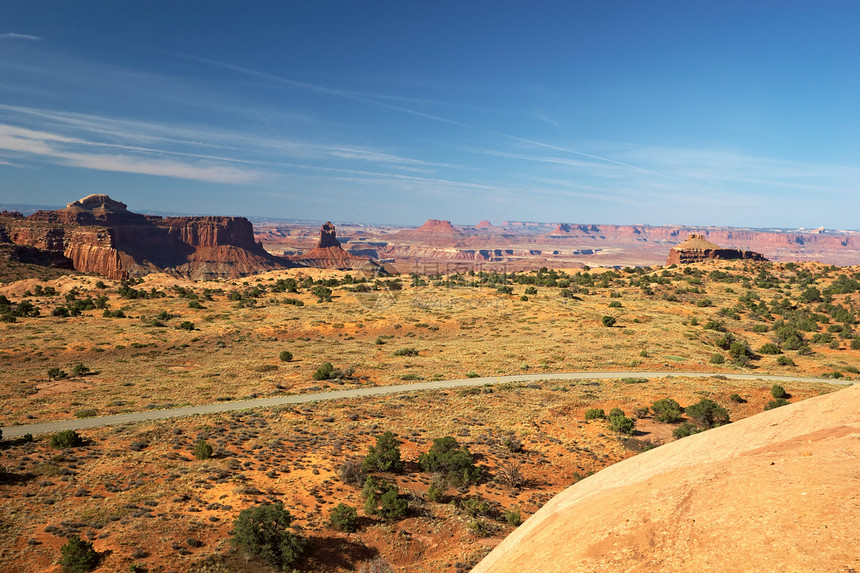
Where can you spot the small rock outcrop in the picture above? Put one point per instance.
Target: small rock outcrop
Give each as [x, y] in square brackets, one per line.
[697, 249]
[100, 235]
[328, 254]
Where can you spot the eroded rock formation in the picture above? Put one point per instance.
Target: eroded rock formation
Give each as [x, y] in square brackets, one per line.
[328, 254]
[697, 249]
[100, 235]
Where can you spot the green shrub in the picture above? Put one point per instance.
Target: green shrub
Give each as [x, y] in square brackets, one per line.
[667, 410]
[78, 555]
[708, 413]
[775, 404]
[85, 413]
[195, 304]
[740, 353]
[531, 290]
[595, 414]
[513, 517]
[438, 486]
[769, 348]
[524, 298]
[264, 532]
[737, 398]
[448, 458]
[717, 358]
[621, 424]
[694, 321]
[684, 430]
[324, 372]
[778, 392]
[406, 352]
[57, 374]
[472, 374]
[614, 304]
[475, 506]
[384, 456]
[784, 360]
[608, 321]
[186, 325]
[66, 439]
[322, 293]
[203, 451]
[344, 518]
[285, 356]
[615, 412]
[80, 370]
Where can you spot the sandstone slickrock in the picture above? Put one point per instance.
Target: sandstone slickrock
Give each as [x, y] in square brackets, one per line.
[98, 234]
[779, 491]
[697, 249]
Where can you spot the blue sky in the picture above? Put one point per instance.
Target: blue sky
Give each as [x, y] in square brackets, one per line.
[722, 113]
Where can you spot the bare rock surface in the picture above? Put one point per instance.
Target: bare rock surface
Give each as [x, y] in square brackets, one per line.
[779, 491]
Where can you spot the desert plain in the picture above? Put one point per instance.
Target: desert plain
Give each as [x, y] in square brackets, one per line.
[159, 342]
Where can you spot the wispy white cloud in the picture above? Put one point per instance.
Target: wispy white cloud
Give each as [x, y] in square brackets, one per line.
[16, 36]
[75, 152]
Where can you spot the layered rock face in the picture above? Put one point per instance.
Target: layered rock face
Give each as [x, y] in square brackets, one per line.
[100, 235]
[328, 254]
[432, 232]
[773, 492]
[697, 249]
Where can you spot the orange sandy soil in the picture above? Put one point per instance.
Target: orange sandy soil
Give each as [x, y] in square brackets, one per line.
[138, 493]
[232, 353]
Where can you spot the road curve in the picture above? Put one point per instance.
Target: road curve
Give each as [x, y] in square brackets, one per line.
[98, 422]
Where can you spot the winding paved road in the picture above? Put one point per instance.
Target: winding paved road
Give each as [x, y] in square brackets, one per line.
[97, 422]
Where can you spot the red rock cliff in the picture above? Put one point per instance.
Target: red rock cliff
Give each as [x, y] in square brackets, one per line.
[98, 234]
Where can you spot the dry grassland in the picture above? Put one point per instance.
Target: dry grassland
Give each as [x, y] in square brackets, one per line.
[140, 495]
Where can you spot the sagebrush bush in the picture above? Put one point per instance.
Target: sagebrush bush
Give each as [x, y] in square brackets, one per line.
[66, 439]
[667, 410]
[454, 462]
[595, 414]
[621, 424]
[285, 356]
[684, 430]
[778, 391]
[203, 451]
[779, 402]
[708, 413]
